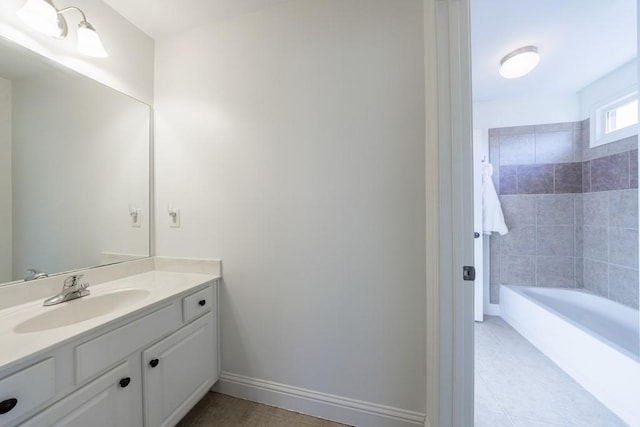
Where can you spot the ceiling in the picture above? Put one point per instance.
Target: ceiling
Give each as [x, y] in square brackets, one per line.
[163, 18]
[579, 41]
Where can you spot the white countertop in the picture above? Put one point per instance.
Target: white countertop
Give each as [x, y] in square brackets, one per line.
[161, 285]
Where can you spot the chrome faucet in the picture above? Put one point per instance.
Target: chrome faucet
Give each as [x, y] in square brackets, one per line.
[71, 289]
[33, 274]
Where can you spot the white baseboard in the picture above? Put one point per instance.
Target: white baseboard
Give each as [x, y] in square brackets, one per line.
[321, 405]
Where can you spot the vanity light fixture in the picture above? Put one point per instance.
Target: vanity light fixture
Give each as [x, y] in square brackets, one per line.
[43, 16]
[520, 62]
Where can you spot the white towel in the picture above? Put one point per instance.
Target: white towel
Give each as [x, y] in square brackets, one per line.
[492, 216]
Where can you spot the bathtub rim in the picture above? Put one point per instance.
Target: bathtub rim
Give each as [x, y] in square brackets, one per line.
[625, 352]
[615, 382]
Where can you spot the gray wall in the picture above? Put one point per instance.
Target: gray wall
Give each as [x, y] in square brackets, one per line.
[572, 211]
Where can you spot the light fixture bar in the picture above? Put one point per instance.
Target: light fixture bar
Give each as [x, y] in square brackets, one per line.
[44, 17]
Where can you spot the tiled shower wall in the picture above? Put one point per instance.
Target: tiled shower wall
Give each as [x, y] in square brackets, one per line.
[572, 211]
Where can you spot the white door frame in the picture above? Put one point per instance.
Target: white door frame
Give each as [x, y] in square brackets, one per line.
[449, 185]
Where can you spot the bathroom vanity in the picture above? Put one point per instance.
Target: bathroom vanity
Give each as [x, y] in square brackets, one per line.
[140, 350]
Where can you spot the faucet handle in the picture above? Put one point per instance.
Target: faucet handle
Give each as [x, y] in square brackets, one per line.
[72, 280]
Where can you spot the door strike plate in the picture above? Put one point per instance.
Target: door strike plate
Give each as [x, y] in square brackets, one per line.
[468, 273]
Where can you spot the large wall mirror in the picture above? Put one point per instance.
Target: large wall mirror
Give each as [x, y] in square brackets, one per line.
[74, 169]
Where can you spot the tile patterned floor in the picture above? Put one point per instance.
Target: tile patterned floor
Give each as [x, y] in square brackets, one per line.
[518, 386]
[220, 410]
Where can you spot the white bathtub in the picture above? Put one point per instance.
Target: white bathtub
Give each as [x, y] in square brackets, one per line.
[593, 339]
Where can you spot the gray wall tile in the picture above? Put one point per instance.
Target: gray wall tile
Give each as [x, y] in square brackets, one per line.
[633, 169]
[494, 293]
[586, 177]
[518, 270]
[623, 247]
[579, 244]
[623, 285]
[516, 130]
[555, 240]
[586, 138]
[596, 277]
[572, 211]
[519, 209]
[592, 153]
[508, 180]
[596, 208]
[555, 209]
[494, 156]
[555, 271]
[568, 178]
[610, 173]
[535, 179]
[520, 240]
[577, 145]
[623, 208]
[554, 147]
[585, 124]
[579, 271]
[579, 209]
[554, 127]
[494, 259]
[622, 145]
[596, 243]
[517, 149]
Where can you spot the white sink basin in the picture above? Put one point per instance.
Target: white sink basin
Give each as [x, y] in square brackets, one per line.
[80, 309]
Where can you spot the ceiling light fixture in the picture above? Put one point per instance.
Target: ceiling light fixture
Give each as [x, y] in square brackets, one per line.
[43, 16]
[520, 62]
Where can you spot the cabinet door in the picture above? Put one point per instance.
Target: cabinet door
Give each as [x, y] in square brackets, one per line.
[178, 371]
[109, 401]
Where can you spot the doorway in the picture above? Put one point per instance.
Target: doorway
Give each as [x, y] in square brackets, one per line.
[568, 195]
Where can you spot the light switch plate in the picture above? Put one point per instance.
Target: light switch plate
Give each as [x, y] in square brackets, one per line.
[136, 218]
[174, 220]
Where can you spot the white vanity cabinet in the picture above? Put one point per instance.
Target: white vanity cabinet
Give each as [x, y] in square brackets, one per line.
[144, 369]
[112, 400]
[178, 370]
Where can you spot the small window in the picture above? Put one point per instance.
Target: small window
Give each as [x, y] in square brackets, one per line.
[615, 120]
[622, 116]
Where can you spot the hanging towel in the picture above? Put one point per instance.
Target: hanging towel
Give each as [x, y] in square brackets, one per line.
[492, 216]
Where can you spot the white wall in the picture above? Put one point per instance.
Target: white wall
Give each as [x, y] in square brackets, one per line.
[80, 157]
[292, 140]
[521, 111]
[129, 67]
[616, 84]
[612, 85]
[5, 181]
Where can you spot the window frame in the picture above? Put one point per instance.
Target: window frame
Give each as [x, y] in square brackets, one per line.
[599, 119]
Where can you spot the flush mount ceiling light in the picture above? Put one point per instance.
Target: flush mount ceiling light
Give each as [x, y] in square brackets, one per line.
[43, 16]
[519, 62]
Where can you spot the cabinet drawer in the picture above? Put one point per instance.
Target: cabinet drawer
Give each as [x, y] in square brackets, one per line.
[106, 350]
[26, 390]
[196, 304]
